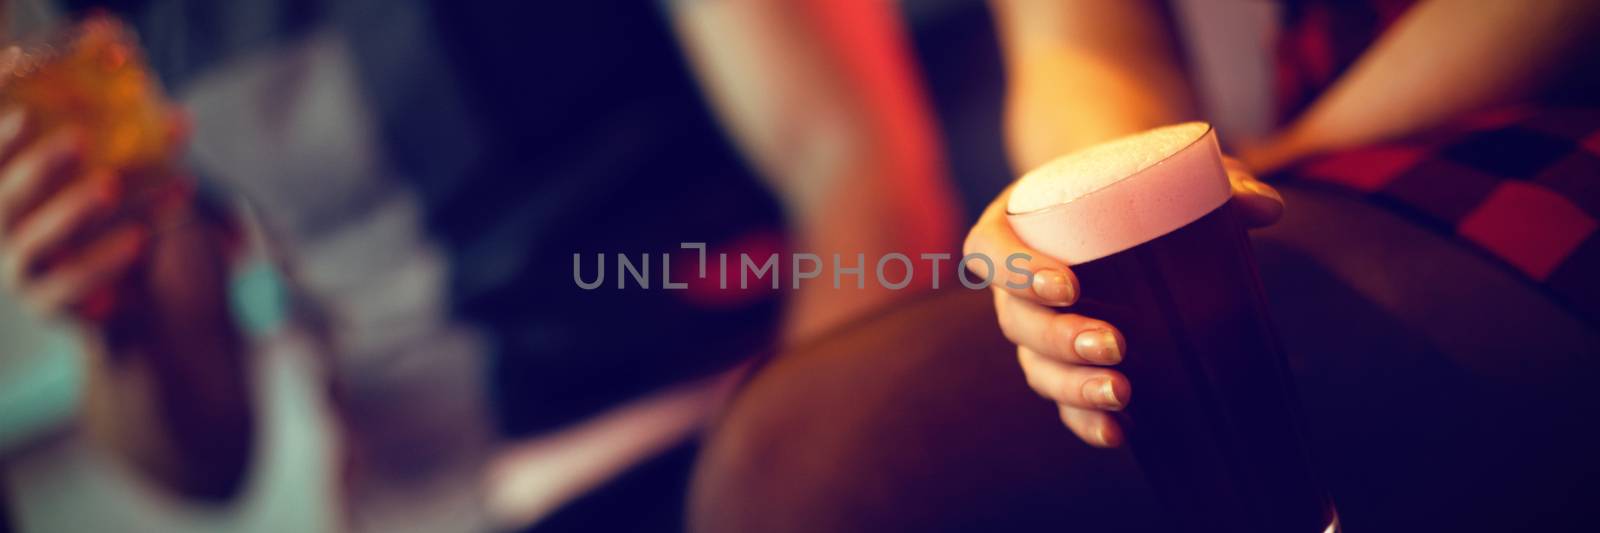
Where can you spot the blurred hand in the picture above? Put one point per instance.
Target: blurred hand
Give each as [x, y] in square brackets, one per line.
[64, 239]
[82, 244]
[1067, 357]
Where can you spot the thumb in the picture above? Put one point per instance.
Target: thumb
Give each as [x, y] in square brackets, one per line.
[1261, 204]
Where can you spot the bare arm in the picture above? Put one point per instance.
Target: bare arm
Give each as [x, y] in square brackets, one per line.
[1441, 59]
[822, 96]
[1082, 71]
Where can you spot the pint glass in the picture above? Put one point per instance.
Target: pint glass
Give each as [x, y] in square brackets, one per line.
[1146, 225]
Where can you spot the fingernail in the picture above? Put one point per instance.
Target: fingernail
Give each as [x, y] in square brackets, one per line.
[1262, 189]
[1053, 286]
[1102, 435]
[1103, 393]
[1099, 346]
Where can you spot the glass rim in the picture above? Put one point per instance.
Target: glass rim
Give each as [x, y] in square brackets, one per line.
[1186, 146]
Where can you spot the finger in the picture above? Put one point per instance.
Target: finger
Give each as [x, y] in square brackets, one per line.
[13, 122]
[101, 265]
[1260, 204]
[35, 172]
[1084, 387]
[1094, 427]
[1065, 337]
[63, 219]
[1044, 280]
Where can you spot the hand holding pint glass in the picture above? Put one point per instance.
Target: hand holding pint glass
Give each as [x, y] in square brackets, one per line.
[1139, 233]
[87, 163]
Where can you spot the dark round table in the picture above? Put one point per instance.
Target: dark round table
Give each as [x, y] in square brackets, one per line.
[1459, 409]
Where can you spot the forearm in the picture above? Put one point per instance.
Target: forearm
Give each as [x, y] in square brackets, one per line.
[168, 389]
[1082, 71]
[862, 218]
[823, 97]
[1442, 59]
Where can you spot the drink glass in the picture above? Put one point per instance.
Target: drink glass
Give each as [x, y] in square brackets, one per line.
[1146, 225]
[91, 76]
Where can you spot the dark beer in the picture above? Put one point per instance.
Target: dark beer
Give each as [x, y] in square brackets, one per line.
[1213, 419]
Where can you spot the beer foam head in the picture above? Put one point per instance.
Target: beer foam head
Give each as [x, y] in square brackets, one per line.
[1071, 176]
[1116, 195]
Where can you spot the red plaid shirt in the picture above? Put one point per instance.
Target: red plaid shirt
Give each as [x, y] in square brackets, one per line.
[1521, 184]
